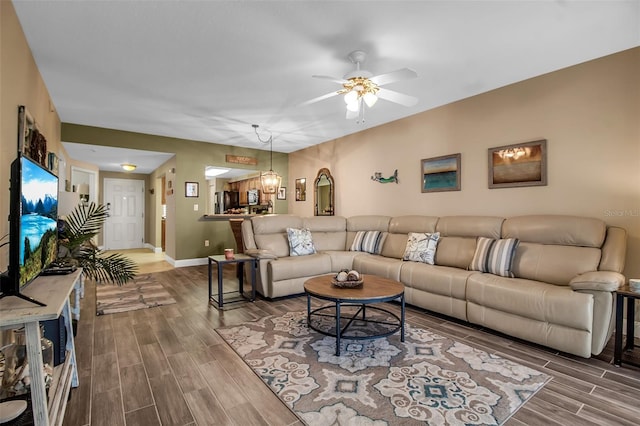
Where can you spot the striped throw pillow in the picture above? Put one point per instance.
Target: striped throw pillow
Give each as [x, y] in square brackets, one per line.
[368, 241]
[421, 247]
[494, 256]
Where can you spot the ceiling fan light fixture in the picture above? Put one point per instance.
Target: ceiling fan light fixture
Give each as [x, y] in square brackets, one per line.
[370, 99]
[351, 97]
[361, 87]
[353, 106]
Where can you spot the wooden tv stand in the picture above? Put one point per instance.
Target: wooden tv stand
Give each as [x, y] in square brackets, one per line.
[54, 291]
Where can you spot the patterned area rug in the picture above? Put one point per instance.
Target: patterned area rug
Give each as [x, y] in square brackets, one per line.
[143, 292]
[428, 379]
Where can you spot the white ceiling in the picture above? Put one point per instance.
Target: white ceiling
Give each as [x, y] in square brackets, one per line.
[110, 159]
[207, 70]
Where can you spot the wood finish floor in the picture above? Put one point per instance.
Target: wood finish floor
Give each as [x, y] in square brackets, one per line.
[167, 366]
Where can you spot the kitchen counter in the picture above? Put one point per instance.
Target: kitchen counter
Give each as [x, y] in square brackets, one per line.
[214, 217]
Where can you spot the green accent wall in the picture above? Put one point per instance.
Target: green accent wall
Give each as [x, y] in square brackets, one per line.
[185, 231]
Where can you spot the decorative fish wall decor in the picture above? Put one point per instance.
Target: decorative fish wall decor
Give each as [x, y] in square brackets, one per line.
[377, 176]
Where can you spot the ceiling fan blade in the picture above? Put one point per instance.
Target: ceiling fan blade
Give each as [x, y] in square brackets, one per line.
[393, 76]
[319, 98]
[327, 77]
[399, 98]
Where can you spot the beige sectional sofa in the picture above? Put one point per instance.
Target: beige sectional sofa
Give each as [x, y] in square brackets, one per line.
[565, 270]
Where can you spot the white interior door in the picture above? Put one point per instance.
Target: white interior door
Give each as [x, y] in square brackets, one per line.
[124, 228]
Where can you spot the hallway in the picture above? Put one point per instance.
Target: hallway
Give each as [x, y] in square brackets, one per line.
[147, 261]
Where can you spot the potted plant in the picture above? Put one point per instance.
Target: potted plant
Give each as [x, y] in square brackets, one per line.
[75, 234]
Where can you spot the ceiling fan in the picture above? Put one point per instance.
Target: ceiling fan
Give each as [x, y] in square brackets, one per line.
[360, 87]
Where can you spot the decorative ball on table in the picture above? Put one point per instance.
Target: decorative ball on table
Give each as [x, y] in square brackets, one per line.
[347, 279]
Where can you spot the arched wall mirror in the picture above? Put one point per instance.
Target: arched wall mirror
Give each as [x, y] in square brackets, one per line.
[324, 193]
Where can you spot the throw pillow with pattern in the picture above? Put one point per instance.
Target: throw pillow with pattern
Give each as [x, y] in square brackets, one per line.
[300, 242]
[421, 247]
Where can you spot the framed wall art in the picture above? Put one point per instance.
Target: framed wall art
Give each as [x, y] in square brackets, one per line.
[441, 173]
[523, 164]
[282, 193]
[52, 162]
[191, 189]
[301, 189]
[31, 142]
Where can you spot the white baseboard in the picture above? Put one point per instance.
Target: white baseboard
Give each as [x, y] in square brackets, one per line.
[190, 262]
[153, 248]
[185, 262]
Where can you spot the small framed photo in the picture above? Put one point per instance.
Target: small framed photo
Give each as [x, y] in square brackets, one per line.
[523, 164]
[282, 193]
[441, 174]
[52, 162]
[191, 189]
[301, 189]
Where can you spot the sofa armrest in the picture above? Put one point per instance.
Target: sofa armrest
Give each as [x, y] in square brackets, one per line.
[260, 254]
[597, 281]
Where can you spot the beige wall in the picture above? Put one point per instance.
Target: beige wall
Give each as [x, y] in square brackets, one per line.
[589, 114]
[20, 84]
[155, 178]
[186, 232]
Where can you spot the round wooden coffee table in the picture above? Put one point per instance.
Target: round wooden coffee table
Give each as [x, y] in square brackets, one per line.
[374, 290]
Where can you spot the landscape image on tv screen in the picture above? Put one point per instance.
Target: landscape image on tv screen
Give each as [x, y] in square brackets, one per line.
[38, 220]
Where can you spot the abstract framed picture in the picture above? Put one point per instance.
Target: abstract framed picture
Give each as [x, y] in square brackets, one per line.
[191, 189]
[523, 164]
[441, 174]
[301, 189]
[282, 193]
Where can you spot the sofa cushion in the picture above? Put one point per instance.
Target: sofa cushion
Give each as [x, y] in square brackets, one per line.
[458, 235]
[613, 250]
[270, 232]
[470, 226]
[300, 242]
[368, 241]
[329, 232]
[365, 223]
[552, 263]
[455, 251]
[494, 256]
[421, 247]
[395, 243]
[299, 266]
[557, 230]
[386, 267]
[341, 259]
[278, 244]
[434, 279]
[532, 299]
[412, 223]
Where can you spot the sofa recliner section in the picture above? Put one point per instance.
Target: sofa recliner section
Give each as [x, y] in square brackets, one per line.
[565, 269]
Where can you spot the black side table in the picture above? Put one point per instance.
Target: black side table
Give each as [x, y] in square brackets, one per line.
[239, 260]
[622, 294]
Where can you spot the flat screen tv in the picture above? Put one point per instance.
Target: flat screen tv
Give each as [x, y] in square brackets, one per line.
[33, 233]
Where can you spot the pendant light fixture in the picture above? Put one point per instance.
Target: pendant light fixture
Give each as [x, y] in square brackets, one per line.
[270, 181]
